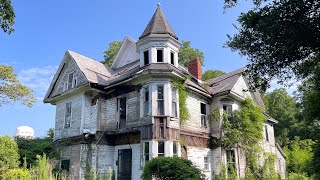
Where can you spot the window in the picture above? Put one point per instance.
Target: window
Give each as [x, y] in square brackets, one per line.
[266, 133]
[231, 165]
[203, 114]
[160, 100]
[159, 55]
[122, 111]
[228, 109]
[161, 125]
[174, 103]
[65, 165]
[172, 57]
[74, 82]
[175, 148]
[146, 101]
[70, 80]
[65, 86]
[205, 163]
[160, 148]
[146, 57]
[146, 151]
[67, 117]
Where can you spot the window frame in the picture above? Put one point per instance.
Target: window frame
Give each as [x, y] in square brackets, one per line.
[65, 115]
[146, 53]
[146, 155]
[118, 110]
[174, 106]
[61, 163]
[164, 148]
[162, 55]
[172, 59]
[206, 163]
[70, 84]
[266, 133]
[234, 164]
[160, 100]
[203, 117]
[146, 103]
[175, 147]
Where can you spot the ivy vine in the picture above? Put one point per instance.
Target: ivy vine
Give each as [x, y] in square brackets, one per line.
[181, 87]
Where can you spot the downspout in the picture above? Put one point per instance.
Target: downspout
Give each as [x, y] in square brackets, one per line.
[238, 161]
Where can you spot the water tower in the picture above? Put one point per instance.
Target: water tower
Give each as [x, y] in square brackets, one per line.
[25, 132]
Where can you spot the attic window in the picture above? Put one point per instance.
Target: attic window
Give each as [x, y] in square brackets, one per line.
[159, 55]
[146, 57]
[70, 80]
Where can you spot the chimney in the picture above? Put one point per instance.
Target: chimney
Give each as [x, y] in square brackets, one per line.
[194, 67]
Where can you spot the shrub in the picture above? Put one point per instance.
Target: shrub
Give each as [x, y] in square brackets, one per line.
[171, 168]
[20, 174]
[296, 176]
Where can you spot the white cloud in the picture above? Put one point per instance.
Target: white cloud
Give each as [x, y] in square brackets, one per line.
[38, 79]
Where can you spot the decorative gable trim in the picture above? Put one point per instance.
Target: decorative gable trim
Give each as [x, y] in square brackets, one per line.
[126, 54]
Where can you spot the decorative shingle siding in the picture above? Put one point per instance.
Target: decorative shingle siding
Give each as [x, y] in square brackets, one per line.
[75, 123]
[68, 68]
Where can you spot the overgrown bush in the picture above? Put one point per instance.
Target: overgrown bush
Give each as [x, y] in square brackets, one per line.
[295, 176]
[167, 168]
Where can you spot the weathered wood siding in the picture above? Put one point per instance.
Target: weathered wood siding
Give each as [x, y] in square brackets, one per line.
[68, 68]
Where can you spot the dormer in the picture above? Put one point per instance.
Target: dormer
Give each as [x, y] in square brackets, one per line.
[158, 42]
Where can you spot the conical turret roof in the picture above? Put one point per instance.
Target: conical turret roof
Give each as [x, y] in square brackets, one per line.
[158, 25]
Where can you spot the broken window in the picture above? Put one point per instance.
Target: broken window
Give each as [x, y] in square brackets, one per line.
[160, 148]
[160, 100]
[205, 163]
[70, 80]
[67, 118]
[174, 103]
[161, 125]
[122, 110]
[65, 164]
[159, 55]
[231, 165]
[146, 57]
[228, 110]
[172, 57]
[146, 151]
[146, 101]
[203, 114]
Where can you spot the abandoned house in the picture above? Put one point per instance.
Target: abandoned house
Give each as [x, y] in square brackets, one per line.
[115, 119]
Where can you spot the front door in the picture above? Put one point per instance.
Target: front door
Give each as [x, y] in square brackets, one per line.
[122, 112]
[124, 164]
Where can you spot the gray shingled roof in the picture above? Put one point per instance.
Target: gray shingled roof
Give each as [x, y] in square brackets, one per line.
[225, 82]
[158, 25]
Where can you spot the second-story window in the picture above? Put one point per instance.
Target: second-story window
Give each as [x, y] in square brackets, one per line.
[266, 133]
[228, 110]
[67, 118]
[70, 80]
[146, 101]
[174, 103]
[172, 57]
[159, 55]
[160, 100]
[203, 114]
[160, 148]
[122, 111]
[161, 128]
[146, 57]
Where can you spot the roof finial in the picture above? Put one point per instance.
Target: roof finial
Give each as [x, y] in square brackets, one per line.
[158, 4]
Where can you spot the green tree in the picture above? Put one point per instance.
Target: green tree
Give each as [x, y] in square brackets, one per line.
[209, 74]
[280, 39]
[111, 53]
[299, 156]
[9, 156]
[171, 168]
[6, 16]
[12, 90]
[30, 148]
[187, 53]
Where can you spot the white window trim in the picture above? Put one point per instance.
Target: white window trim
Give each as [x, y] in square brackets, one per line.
[176, 101]
[206, 115]
[208, 163]
[65, 86]
[164, 149]
[174, 57]
[164, 104]
[156, 60]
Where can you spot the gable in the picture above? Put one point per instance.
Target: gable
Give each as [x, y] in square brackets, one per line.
[127, 53]
[241, 88]
[69, 66]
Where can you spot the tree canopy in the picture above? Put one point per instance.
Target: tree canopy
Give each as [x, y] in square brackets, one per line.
[280, 39]
[209, 74]
[12, 90]
[111, 53]
[7, 16]
[9, 155]
[188, 53]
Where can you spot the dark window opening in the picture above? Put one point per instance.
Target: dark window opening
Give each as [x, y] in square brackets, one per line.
[228, 109]
[146, 101]
[175, 148]
[146, 151]
[67, 119]
[203, 115]
[122, 112]
[172, 58]
[146, 57]
[159, 55]
[70, 80]
[266, 131]
[160, 148]
[161, 125]
[65, 165]
[231, 165]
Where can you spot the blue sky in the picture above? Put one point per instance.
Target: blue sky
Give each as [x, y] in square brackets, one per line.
[44, 30]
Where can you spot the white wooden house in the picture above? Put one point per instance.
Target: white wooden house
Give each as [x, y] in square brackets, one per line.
[129, 113]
